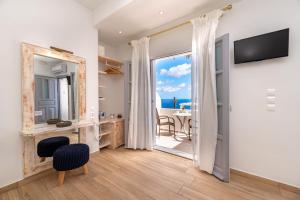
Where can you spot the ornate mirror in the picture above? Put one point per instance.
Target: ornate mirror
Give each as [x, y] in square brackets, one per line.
[53, 86]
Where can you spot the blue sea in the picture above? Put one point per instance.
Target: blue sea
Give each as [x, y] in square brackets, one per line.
[169, 103]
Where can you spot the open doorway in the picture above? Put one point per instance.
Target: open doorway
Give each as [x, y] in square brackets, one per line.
[171, 77]
[172, 83]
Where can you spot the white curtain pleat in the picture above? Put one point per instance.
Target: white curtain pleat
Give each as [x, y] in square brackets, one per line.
[204, 99]
[140, 133]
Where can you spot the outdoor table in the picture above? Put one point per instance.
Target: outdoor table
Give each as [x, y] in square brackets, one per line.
[182, 118]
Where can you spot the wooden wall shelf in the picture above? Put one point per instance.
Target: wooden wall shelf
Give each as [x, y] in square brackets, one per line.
[101, 72]
[113, 71]
[109, 61]
[111, 66]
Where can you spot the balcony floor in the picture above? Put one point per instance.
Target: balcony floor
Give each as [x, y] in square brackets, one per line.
[181, 143]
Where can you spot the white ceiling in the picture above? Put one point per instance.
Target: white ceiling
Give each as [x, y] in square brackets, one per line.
[135, 17]
[141, 16]
[90, 4]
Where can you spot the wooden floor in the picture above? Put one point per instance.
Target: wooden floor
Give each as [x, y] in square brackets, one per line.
[139, 175]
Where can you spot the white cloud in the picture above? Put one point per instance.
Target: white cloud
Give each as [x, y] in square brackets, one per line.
[170, 89]
[182, 85]
[177, 71]
[163, 71]
[160, 82]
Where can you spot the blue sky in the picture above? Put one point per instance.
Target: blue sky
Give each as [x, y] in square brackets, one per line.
[173, 77]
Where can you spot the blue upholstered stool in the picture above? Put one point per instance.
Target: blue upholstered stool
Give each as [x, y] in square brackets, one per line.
[70, 157]
[47, 147]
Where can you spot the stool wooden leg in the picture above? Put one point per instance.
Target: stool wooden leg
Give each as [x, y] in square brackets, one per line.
[42, 159]
[61, 177]
[85, 169]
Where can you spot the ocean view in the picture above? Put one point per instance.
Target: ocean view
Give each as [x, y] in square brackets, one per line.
[168, 103]
[173, 79]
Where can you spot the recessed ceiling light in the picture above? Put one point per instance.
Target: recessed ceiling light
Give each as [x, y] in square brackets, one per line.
[120, 32]
[161, 12]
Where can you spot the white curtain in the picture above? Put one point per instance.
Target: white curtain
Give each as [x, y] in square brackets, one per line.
[204, 100]
[140, 133]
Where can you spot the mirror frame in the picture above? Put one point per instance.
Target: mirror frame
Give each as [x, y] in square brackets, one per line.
[28, 83]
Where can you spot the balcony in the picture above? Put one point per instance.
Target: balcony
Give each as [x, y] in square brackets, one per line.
[181, 143]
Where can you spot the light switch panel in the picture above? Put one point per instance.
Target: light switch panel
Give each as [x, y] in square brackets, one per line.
[92, 113]
[271, 92]
[271, 107]
[271, 100]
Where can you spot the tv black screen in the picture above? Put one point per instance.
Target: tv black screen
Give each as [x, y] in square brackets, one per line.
[262, 47]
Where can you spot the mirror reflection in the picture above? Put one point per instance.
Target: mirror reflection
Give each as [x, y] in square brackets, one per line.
[55, 89]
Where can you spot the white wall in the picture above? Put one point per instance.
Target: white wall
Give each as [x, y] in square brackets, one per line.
[263, 143]
[110, 50]
[63, 24]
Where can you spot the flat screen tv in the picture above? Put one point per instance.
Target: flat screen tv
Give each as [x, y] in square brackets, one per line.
[262, 47]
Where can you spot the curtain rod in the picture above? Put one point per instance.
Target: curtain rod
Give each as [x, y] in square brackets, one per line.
[226, 8]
